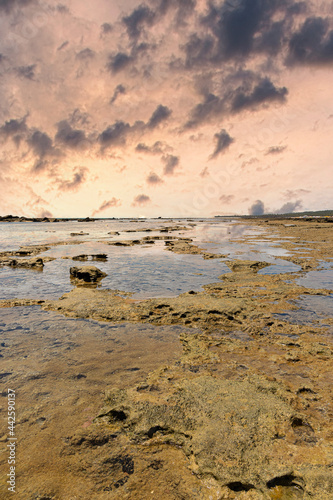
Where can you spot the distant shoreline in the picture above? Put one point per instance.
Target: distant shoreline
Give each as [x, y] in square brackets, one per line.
[324, 215]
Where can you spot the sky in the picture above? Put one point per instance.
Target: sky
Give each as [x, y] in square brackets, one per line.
[188, 108]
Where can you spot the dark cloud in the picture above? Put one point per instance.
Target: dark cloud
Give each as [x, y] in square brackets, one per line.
[27, 71]
[40, 166]
[237, 29]
[271, 40]
[69, 137]
[170, 163]
[290, 207]
[313, 43]
[115, 134]
[241, 90]
[106, 28]
[144, 16]
[154, 179]
[79, 117]
[182, 7]
[114, 202]
[212, 106]
[199, 50]
[274, 150]
[140, 17]
[79, 178]
[13, 128]
[119, 62]
[120, 89]
[226, 198]
[223, 141]
[41, 144]
[264, 91]
[184, 10]
[232, 27]
[2, 58]
[257, 208]
[155, 149]
[160, 114]
[8, 5]
[85, 54]
[141, 200]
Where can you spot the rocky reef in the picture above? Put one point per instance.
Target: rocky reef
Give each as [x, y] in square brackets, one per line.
[243, 411]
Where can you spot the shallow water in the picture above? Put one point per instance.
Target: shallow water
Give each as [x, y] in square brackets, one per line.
[313, 309]
[146, 272]
[280, 266]
[16, 234]
[60, 369]
[317, 279]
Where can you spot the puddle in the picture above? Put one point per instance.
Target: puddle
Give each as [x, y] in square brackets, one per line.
[313, 309]
[280, 267]
[317, 279]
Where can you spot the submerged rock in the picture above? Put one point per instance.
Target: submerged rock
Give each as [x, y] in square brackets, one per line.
[86, 274]
[238, 266]
[34, 263]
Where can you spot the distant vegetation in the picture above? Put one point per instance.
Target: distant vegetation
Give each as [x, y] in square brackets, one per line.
[321, 213]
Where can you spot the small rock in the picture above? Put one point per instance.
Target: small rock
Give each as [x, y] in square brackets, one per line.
[87, 274]
[36, 263]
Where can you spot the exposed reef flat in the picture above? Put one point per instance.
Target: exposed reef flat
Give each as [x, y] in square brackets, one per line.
[242, 412]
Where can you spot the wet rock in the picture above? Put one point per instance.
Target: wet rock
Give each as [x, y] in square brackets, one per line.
[185, 246]
[95, 257]
[86, 274]
[128, 243]
[81, 233]
[227, 428]
[185, 309]
[34, 263]
[20, 302]
[25, 251]
[238, 266]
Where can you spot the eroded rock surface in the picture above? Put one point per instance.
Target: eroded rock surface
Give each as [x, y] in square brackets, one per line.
[86, 274]
[244, 413]
[242, 433]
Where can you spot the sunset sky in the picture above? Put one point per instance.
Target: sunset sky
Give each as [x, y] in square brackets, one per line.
[121, 108]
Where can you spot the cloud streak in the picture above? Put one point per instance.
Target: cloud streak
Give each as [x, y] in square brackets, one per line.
[223, 141]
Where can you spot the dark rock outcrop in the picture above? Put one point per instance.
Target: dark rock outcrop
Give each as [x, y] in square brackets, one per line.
[86, 274]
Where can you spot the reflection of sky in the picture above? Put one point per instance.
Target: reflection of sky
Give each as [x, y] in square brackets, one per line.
[313, 308]
[32, 319]
[317, 279]
[149, 272]
[16, 234]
